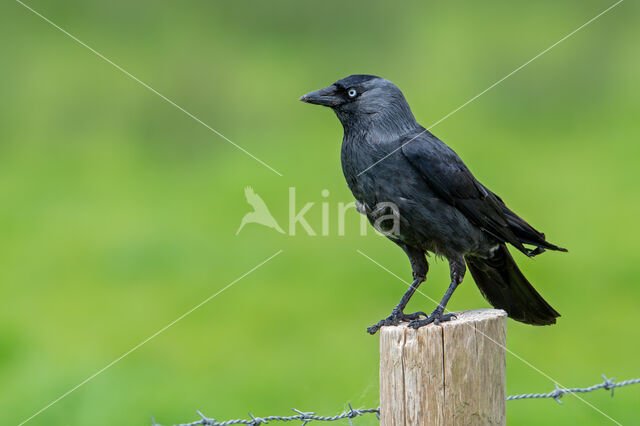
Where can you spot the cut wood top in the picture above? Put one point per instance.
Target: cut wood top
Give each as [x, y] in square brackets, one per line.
[476, 315]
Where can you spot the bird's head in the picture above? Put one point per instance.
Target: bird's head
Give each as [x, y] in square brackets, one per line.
[360, 99]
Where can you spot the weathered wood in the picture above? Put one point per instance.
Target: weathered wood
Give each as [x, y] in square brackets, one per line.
[447, 374]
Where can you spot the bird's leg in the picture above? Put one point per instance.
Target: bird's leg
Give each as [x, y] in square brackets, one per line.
[419, 266]
[397, 315]
[458, 270]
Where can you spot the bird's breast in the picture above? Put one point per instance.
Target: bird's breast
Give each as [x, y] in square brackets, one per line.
[357, 156]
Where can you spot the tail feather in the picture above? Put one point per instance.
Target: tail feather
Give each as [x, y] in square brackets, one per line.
[503, 285]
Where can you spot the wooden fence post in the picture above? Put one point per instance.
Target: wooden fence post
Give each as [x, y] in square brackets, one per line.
[447, 374]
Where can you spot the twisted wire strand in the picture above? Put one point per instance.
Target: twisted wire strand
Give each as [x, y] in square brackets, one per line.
[306, 417]
[557, 393]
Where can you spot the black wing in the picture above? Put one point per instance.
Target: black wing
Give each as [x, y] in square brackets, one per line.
[449, 178]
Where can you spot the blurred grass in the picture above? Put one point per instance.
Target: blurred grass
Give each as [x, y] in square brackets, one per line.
[120, 211]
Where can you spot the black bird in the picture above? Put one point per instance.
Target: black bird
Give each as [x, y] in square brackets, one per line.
[401, 174]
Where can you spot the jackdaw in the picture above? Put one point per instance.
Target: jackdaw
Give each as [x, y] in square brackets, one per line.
[387, 157]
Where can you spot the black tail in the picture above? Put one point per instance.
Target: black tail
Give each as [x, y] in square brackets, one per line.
[504, 286]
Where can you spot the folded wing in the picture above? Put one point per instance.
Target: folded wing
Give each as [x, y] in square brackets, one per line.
[451, 180]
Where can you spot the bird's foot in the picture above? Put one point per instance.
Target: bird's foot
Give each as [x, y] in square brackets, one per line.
[395, 318]
[436, 317]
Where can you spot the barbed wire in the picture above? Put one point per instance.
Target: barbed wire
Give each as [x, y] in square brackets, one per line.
[306, 417]
[558, 392]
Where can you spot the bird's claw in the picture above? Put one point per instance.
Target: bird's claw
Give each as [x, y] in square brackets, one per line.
[436, 318]
[394, 319]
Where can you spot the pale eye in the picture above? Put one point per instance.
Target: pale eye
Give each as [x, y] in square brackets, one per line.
[352, 93]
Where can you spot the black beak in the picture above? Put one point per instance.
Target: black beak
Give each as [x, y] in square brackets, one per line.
[325, 97]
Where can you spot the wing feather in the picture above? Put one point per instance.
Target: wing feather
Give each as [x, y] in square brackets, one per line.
[449, 178]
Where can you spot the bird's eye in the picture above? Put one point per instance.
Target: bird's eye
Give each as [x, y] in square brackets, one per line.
[352, 93]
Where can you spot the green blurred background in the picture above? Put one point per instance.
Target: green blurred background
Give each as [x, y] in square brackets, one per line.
[119, 211]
